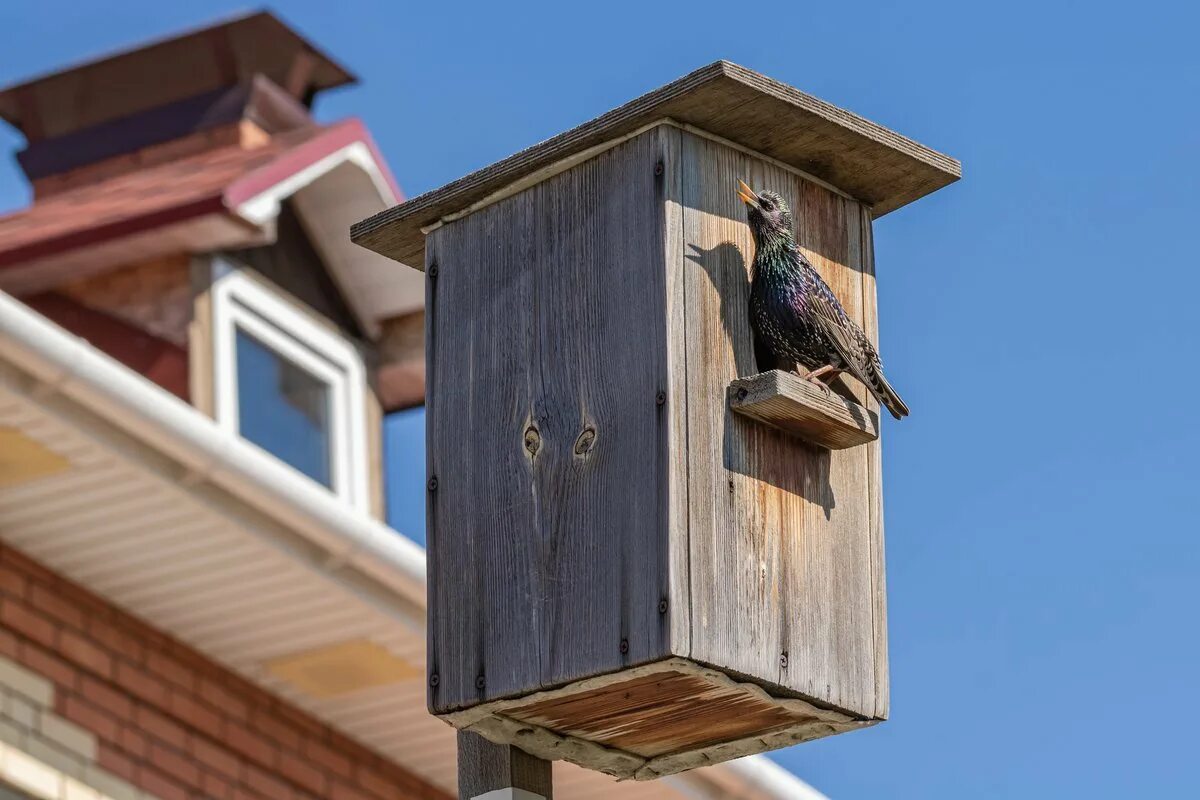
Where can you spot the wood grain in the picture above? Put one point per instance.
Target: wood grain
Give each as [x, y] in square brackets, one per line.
[796, 406]
[878, 166]
[484, 767]
[547, 559]
[779, 529]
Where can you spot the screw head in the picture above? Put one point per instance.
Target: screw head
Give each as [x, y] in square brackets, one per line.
[433, 483]
[658, 168]
[434, 680]
[624, 646]
[660, 398]
[662, 606]
[783, 660]
[433, 270]
[480, 683]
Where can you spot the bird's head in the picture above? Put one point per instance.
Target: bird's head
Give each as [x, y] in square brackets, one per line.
[768, 213]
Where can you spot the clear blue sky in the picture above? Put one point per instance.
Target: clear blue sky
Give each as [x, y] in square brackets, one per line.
[1039, 317]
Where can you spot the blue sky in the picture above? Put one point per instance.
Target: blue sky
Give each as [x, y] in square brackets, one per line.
[1039, 317]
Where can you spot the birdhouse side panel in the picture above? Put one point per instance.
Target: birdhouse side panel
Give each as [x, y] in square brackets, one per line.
[781, 537]
[547, 432]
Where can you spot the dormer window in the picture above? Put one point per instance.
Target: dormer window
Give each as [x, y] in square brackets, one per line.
[288, 383]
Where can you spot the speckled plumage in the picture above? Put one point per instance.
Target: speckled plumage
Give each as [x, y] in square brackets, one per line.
[794, 313]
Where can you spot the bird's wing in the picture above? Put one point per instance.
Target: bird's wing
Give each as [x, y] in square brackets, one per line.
[841, 331]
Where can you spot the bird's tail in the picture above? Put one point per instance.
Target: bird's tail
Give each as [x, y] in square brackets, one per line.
[887, 396]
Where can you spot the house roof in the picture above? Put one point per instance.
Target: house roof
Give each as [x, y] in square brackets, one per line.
[216, 180]
[151, 74]
[229, 549]
[334, 174]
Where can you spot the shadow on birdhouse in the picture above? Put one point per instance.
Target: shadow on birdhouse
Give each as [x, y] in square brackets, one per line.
[643, 556]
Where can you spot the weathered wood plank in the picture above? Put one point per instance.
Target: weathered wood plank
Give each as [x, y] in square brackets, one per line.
[484, 767]
[793, 405]
[866, 160]
[674, 406]
[875, 482]
[551, 497]
[777, 525]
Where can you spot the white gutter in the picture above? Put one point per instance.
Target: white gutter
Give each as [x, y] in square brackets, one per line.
[62, 363]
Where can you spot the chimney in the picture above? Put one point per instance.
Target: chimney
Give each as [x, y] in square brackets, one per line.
[234, 83]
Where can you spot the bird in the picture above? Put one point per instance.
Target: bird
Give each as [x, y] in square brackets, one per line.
[796, 317]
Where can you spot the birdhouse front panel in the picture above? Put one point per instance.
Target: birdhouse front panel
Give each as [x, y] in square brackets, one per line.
[784, 537]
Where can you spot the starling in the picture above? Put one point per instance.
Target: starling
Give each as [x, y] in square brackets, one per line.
[795, 315]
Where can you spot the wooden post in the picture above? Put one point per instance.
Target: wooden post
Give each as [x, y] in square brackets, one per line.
[488, 771]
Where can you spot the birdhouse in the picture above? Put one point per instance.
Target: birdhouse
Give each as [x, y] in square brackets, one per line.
[644, 554]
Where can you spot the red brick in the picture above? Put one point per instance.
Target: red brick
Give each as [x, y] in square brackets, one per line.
[224, 700]
[133, 742]
[254, 746]
[15, 615]
[378, 784]
[9, 644]
[214, 756]
[88, 716]
[47, 665]
[265, 783]
[53, 605]
[112, 760]
[158, 726]
[106, 697]
[78, 649]
[27, 566]
[12, 582]
[301, 772]
[265, 721]
[344, 791]
[333, 761]
[244, 793]
[194, 714]
[170, 670]
[139, 683]
[116, 640]
[302, 721]
[160, 785]
[215, 786]
[175, 764]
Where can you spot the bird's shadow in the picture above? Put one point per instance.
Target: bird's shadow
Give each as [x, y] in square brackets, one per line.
[751, 448]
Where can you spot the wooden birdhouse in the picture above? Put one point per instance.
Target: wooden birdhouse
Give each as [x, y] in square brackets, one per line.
[643, 557]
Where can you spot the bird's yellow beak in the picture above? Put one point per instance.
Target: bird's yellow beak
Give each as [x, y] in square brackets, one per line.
[747, 194]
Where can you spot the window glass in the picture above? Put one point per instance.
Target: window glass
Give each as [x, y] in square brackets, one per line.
[283, 408]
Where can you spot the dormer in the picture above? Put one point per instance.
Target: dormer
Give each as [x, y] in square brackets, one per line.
[190, 218]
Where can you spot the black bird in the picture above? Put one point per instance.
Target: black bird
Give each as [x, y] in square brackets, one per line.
[795, 314]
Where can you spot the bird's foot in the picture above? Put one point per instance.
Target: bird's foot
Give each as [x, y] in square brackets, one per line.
[822, 376]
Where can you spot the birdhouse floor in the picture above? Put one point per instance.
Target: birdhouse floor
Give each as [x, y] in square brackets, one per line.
[785, 401]
[653, 720]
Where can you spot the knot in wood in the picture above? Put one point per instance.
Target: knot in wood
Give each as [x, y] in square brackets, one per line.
[585, 442]
[533, 440]
[741, 394]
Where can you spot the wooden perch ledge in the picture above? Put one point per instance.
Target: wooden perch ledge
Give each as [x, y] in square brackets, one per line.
[792, 404]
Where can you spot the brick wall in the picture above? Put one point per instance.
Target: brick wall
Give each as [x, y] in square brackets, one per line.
[166, 719]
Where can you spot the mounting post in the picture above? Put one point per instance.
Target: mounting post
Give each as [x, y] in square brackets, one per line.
[488, 771]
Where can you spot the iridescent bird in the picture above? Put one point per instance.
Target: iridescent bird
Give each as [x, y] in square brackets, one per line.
[795, 314]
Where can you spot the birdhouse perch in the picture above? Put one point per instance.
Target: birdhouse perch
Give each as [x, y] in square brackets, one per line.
[643, 558]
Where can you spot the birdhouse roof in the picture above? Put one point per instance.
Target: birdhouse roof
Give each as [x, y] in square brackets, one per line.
[865, 160]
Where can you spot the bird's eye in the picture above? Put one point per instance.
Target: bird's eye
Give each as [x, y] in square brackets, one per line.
[766, 203]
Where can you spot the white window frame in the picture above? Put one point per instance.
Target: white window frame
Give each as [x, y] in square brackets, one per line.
[239, 301]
